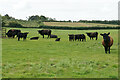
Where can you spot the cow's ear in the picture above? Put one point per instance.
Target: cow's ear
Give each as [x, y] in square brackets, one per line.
[108, 33]
[101, 34]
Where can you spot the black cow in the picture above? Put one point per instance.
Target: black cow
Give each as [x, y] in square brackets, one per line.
[80, 37]
[92, 35]
[83, 37]
[34, 38]
[71, 37]
[22, 35]
[12, 32]
[77, 37]
[58, 39]
[45, 32]
[53, 36]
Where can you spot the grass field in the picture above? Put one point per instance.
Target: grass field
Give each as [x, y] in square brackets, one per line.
[46, 58]
[80, 24]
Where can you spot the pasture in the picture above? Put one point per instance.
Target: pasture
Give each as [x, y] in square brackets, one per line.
[45, 58]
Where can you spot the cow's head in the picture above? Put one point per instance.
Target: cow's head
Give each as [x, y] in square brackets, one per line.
[88, 34]
[39, 31]
[105, 36]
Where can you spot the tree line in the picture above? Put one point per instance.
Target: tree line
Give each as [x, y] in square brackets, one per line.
[37, 20]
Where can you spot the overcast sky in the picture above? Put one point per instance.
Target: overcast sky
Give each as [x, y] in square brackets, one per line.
[62, 9]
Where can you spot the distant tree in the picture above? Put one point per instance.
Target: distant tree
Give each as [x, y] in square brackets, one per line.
[36, 17]
[43, 18]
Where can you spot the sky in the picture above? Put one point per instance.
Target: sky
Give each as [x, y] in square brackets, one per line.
[61, 9]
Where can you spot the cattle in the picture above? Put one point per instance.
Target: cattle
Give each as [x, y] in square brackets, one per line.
[71, 37]
[12, 32]
[58, 39]
[53, 36]
[107, 42]
[83, 37]
[34, 38]
[80, 37]
[45, 32]
[77, 37]
[92, 35]
[22, 35]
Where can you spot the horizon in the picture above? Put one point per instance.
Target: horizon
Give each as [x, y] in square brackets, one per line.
[62, 9]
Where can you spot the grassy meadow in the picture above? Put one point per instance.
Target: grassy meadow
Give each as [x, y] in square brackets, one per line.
[45, 58]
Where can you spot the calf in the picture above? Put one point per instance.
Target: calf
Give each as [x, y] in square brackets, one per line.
[22, 35]
[107, 42]
[92, 35]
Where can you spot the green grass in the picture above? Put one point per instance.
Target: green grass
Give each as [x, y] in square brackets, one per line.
[46, 58]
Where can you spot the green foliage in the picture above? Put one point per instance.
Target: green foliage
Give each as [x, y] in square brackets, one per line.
[14, 24]
[41, 18]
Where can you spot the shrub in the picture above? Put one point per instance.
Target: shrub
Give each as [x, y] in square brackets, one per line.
[14, 24]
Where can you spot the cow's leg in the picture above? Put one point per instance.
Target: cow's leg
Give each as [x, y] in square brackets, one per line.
[109, 49]
[96, 37]
[43, 36]
[18, 38]
[48, 36]
[90, 38]
[106, 50]
[82, 40]
[13, 36]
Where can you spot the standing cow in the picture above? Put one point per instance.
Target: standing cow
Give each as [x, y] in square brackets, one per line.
[22, 35]
[45, 32]
[83, 37]
[92, 35]
[80, 37]
[12, 32]
[71, 37]
[107, 42]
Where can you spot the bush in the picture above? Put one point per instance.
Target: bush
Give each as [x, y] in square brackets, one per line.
[14, 24]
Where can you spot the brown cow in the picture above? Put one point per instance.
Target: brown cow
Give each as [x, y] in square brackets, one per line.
[45, 32]
[107, 42]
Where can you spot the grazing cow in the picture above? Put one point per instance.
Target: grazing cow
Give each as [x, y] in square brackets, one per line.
[53, 36]
[92, 35]
[34, 38]
[80, 37]
[22, 35]
[12, 32]
[71, 37]
[107, 42]
[44, 32]
[58, 39]
[77, 36]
